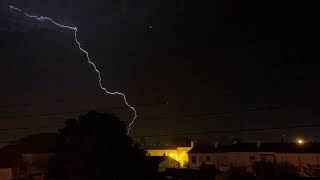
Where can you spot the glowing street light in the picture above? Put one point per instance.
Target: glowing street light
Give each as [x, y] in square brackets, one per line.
[300, 141]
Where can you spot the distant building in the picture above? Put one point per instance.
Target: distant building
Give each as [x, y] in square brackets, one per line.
[36, 151]
[245, 155]
[27, 158]
[35, 165]
[8, 161]
[179, 154]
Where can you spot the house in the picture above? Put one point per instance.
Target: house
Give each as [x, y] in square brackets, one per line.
[7, 162]
[27, 158]
[179, 154]
[36, 152]
[164, 162]
[246, 154]
[35, 165]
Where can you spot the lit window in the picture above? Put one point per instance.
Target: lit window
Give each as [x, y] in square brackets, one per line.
[193, 159]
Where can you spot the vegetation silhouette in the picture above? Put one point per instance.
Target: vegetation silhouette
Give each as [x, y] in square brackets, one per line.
[96, 146]
[265, 170]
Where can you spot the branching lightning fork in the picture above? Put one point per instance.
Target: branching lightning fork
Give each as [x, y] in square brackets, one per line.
[75, 29]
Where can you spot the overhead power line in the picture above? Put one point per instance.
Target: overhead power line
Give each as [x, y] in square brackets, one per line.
[179, 134]
[8, 106]
[42, 115]
[30, 128]
[256, 109]
[232, 131]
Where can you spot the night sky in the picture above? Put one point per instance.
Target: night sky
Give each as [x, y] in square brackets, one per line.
[188, 66]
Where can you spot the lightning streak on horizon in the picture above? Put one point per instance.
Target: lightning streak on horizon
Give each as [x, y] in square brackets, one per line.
[75, 29]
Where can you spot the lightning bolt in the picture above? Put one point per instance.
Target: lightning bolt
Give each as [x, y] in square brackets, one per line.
[75, 30]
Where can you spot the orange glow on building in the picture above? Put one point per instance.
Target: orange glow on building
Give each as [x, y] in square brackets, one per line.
[180, 154]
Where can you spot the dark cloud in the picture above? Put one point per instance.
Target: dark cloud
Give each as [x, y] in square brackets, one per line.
[200, 56]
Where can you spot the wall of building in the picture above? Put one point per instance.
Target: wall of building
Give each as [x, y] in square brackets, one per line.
[195, 160]
[6, 174]
[230, 158]
[298, 159]
[246, 159]
[36, 164]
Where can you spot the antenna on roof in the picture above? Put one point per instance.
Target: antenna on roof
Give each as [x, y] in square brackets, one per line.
[284, 139]
[258, 142]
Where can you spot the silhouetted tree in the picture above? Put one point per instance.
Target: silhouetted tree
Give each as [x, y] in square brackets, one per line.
[208, 171]
[96, 146]
[268, 170]
[239, 173]
[311, 170]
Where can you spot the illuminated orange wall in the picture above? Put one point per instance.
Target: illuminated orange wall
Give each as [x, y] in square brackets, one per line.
[180, 154]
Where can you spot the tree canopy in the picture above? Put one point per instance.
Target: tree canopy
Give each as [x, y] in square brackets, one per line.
[96, 146]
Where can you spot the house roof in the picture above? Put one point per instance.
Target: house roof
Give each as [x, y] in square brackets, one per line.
[159, 159]
[264, 147]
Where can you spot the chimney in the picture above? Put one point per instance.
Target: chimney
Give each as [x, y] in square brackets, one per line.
[284, 139]
[258, 143]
